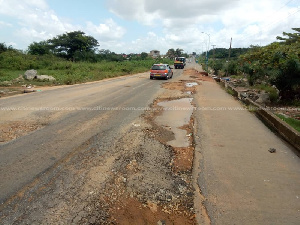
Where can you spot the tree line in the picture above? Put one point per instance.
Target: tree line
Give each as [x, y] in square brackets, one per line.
[223, 53]
[77, 46]
[172, 53]
[277, 64]
[74, 46]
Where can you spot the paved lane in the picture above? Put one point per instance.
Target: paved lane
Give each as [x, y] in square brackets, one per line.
[243, 182]
[69, 125]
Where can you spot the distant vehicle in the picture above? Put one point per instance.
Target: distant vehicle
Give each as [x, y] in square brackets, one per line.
[161, 71]
[179, 62]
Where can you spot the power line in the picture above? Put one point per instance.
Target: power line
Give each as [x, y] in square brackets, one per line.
[278, 11]
[281, 19]
[275, 22]
[285, 5]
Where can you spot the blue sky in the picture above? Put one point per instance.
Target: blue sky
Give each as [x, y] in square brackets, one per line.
[135, 26]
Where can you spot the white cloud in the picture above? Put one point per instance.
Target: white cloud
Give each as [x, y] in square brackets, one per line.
[133, 10]
[169, 23]
[156, 11]
[15, 7]
[247, 22]
[4, 24]
[37, 22]
[108, 31]
[146, 44]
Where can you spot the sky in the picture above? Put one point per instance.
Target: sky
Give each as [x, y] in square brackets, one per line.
[135, 26]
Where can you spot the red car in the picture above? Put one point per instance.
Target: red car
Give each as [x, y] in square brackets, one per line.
[161, 71]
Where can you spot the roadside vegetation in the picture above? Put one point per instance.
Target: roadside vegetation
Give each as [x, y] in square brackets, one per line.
[274, 68]
[291, 121]
[70, 58]
[14, 63]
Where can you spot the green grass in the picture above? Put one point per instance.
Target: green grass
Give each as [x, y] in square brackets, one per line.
[8, 75]
[292, 122]
[12, 64]
[230, 91]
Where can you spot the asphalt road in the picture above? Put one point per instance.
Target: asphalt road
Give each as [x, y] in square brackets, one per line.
[243, 183]
[70, 116]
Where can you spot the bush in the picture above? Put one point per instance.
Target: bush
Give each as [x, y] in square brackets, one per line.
[287, 79]
[231, 68]
[13, 63]
[216, 65]
[277, 64]
[272, 91]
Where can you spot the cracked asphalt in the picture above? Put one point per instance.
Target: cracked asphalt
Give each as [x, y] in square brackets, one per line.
[96, 157]
[95, 154]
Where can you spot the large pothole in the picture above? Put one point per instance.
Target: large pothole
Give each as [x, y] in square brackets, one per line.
[176, 114]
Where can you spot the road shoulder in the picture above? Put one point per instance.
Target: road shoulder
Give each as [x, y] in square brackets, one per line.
[240, 179]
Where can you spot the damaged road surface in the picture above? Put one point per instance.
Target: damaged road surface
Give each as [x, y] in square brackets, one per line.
[98, 154]
[132, 150]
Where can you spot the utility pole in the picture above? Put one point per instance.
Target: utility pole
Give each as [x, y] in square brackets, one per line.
[214, 51]
[229, 55]
[207, 50]
[229, 49]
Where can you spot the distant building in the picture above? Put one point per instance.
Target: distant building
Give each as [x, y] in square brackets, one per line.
[155, 53]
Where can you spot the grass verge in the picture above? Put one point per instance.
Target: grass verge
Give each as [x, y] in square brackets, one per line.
[292, 122]
[66, 72]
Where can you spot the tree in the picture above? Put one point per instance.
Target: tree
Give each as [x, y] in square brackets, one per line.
[39, 48]
[287, 80]
[231, 68]
[223, 53]
[104, 52]
[216, 65]
[4, 47]
[291, 37]
[73, 43]
[178, 52]
[277, 64]
[144, 55]
[171, 53]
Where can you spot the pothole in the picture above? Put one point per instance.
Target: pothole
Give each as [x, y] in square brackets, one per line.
[176, 113]
[15, 129]
[191, 84]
